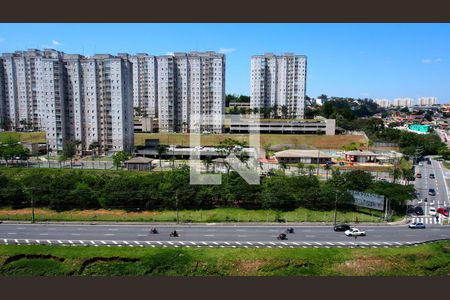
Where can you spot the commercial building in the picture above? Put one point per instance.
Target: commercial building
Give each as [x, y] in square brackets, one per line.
[403, 102]
[360, 156]
[191, 85]
[278, 82]
[427, 101]
[302, 156]
[242, 125]
[385, 103]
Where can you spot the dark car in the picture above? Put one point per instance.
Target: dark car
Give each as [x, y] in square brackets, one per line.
[419, 211]
[429, 162]
[419, 175]
[431, 176]
[341, 227]
[431, 192]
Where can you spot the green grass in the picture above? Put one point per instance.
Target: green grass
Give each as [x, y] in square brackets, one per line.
[209, 216]
[318, 141]
[424, 260]
[25, 137]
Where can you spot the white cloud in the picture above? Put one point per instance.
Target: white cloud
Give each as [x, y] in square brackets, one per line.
[56, 43]
[430, 61]
[169, 53]
[226, 50]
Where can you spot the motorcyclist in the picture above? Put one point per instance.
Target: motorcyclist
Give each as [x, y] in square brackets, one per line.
[174, 233]
[282, 236]
[153, 230]
[290, 230]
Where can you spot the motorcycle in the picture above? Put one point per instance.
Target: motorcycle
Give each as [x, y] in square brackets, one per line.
[282, 236]
[153, 231]
[290, 230]
[174, 234]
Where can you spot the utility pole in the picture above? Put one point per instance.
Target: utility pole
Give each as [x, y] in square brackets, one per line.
[335, 208]
[32, 207]
[176, 204]
[386, 209]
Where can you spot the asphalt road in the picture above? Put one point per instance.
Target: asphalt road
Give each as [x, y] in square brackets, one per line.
[213, 235]
[425, 183]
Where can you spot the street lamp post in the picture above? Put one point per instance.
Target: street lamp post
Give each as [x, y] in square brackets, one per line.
[335, 208]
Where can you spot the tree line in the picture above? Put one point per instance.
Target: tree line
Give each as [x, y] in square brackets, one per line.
[88, 189]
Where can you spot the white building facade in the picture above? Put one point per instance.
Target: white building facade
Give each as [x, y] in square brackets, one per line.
[191, 84]
[385, 103]
[278, 81]
[427, 101]
[403, 102]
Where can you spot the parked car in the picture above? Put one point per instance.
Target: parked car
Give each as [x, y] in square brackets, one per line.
[429, 162]
[431, 192]
[420, 164]
[432, 211]
[419, 211]
[442, 211]
[417, 225]
[355, 232]
[431, 176]
[341, 227]
[419, 175]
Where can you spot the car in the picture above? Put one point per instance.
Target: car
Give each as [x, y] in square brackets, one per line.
[417, 225]
[431, 176]
[341, 227]
[419, 175]
[429, 162]
[355, 232]
[442, 211]
[420, 164]
[419, 210]
[432, 211]
[431, 192]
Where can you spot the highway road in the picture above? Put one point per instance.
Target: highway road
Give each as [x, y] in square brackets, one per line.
[214, 235]
[424, 184]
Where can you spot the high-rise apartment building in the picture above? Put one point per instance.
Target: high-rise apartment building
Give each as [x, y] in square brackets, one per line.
[278, 82]
[385, 103]
[403, 102]
[145, 84]
[427, 101]
[191, 85]
[70, 97]
[2, 97]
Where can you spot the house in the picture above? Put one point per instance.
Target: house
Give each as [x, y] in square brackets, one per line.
[139, 164]
[302, 156]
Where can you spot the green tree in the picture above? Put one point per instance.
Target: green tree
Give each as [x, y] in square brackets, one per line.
[311, 169]
[119, 158]
[207, 161]
[69, 151]
[162, 150]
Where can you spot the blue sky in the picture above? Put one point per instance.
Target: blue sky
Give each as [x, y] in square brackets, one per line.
[354, 60]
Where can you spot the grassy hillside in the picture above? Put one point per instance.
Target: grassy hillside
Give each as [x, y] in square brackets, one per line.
[425, 260]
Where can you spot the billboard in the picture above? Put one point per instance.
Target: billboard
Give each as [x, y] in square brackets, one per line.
[368, 200]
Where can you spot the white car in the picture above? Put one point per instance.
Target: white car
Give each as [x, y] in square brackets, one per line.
[420, 164]
[432, 211]
[355, 232]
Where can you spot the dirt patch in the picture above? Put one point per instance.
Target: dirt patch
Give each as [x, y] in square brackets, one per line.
[104, 259]
[364, 266]
[31, 256]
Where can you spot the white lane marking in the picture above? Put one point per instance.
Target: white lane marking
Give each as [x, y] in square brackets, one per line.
[37, 241]
[136, 242]
[182, 243]
[320, 244]
[208, 235]
[11, 233]
[75, 234]
[60, 242]
[161, 243]
[215, 243]
[103, 242]
[375, 243]
[125, 242]
[242, 236]
[20, 228]
[226, 243]
[70, 242]
[193, 243]
[172, 243]
[241, 229]
[240, 243]
[115, 229]
[307, 243]
[211, 230]
[16, 241]
[330, 243]
[43, 233]
[148, 243]
[387, 243]
[114, 242]
[5, 240]
[92, 242]
[272, 243]
[48, 241]
[81, 242]
[27, 241]
[248, 243]
[204, 243]
[110, 234]
[341, 243]
[397, 243]
[297, 244]
[283, 243]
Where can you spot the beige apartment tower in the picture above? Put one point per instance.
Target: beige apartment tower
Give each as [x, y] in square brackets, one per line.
[278, 85]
